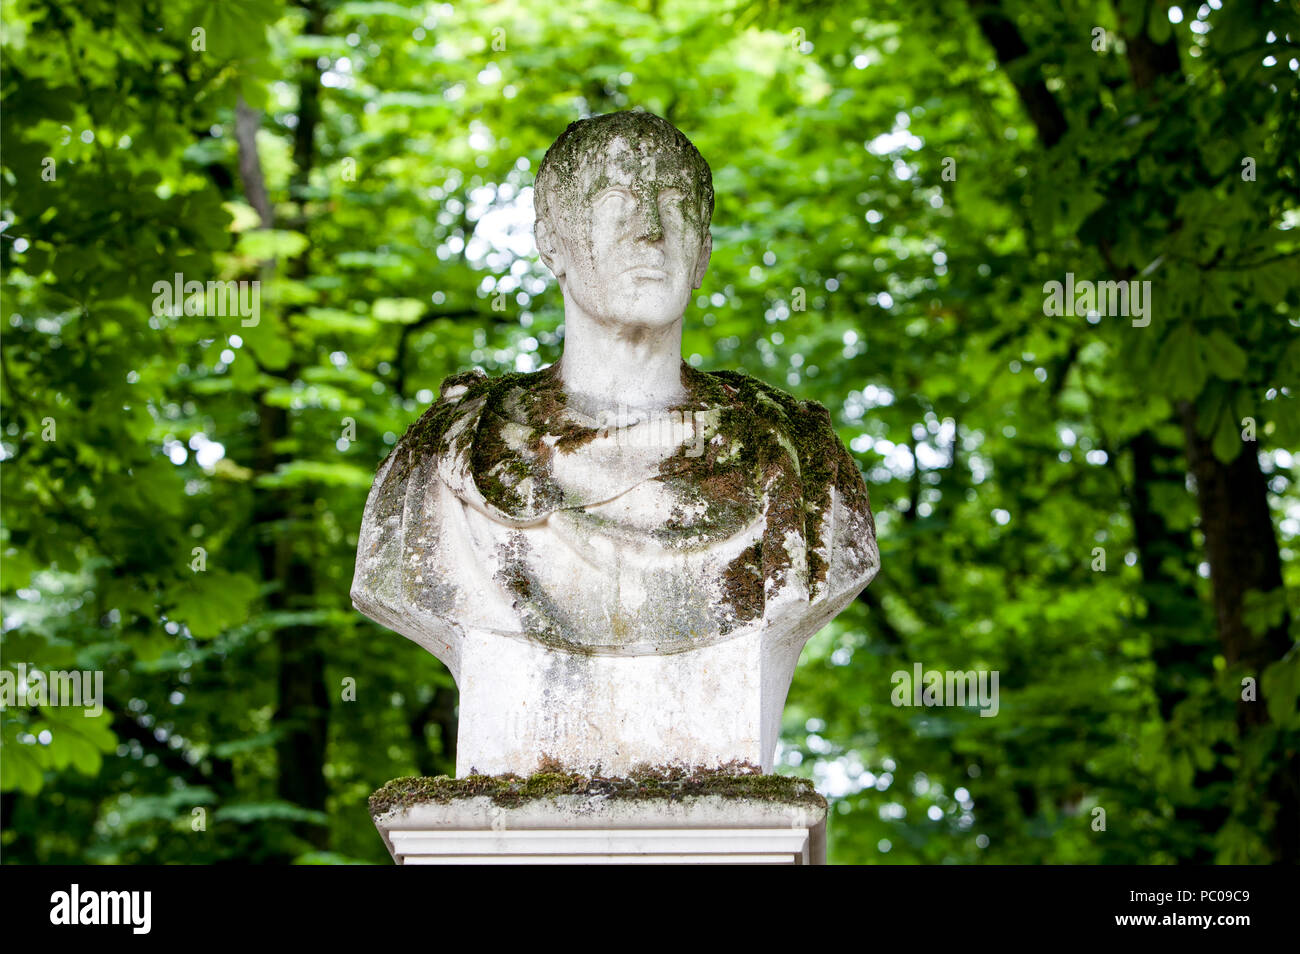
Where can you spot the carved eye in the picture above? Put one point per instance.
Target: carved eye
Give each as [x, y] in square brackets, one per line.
[670, 201]
[615, 199]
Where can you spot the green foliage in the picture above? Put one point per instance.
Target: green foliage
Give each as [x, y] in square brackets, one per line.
[1000, 445]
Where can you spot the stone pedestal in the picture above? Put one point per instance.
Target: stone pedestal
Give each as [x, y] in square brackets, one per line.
[558, 819]
[521, 701]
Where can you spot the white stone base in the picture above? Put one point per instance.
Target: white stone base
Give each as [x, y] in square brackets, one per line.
[521, 701]
[580, 829]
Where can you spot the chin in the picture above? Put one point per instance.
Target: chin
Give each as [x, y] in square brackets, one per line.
[646, 317]
[654, 307]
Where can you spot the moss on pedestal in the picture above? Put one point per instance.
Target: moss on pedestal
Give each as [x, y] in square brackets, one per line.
[735, 780]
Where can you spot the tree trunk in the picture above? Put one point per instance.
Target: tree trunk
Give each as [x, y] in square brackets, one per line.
[1240, 544]
[302, 714]
[1242, 551]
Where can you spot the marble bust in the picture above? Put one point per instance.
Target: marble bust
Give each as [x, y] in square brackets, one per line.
[618, 557]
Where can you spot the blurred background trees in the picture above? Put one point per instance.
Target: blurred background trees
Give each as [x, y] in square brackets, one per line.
[1104, 513]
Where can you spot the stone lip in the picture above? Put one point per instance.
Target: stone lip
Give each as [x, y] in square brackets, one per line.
[663, 784]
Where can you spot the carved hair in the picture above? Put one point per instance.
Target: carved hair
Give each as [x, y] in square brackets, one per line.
[560, 174]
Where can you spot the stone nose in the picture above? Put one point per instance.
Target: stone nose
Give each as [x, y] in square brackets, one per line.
[649, 228]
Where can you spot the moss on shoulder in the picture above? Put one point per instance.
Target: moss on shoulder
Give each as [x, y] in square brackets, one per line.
[789, 449]
[735, 780]
[768, 452]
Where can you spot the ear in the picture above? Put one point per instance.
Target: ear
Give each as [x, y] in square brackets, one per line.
[702, 265]
[548, 247]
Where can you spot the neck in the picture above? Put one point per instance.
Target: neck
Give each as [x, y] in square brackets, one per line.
[608, 366]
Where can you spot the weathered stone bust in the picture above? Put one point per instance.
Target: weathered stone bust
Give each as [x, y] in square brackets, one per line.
[619, 557]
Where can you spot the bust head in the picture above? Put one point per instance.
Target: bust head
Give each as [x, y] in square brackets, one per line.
[623, 207]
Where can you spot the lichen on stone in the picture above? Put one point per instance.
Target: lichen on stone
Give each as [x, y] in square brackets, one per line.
[535, 400]
[573, 167]
[761, 455]
[539, 615]
[672, 783]
[787, 451]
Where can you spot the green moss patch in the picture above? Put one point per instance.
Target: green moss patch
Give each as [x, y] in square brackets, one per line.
[766, 452]
[774, 445]
[736, 780]
[575, 167]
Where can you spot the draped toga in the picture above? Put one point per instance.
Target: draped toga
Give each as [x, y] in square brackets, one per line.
[504, 509]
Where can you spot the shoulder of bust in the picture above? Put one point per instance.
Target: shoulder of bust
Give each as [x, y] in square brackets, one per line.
[461, 398]
[804, 426]
[808, 423]
[459, 435]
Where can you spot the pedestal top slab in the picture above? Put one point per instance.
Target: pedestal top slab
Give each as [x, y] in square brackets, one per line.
[707, 817]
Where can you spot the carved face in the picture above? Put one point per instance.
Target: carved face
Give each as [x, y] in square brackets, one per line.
[629, 245]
